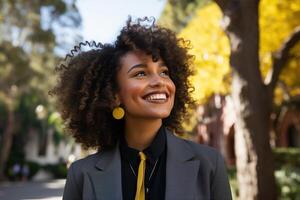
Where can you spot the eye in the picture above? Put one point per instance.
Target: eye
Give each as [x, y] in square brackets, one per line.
[139, 74]
[165, 72]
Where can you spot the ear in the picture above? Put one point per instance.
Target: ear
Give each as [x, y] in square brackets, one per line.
[117, 99]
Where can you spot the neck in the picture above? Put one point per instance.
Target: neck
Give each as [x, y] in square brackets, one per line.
[139, 133]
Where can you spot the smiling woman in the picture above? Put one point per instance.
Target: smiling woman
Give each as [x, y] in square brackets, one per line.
[146, 89]
[127, 99]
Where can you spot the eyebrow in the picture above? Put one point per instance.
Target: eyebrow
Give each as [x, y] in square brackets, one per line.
[141, 65]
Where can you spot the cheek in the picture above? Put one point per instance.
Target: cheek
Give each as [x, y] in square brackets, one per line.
[171, 87]
[130, 91]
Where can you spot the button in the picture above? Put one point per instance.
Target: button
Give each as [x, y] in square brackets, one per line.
[147, 190]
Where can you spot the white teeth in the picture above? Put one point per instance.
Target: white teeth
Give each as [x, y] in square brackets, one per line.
[157, 97]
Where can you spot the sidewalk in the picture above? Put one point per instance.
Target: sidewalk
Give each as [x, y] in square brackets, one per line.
[50, 190]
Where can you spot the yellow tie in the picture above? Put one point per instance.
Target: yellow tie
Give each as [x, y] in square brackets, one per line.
[140, 188]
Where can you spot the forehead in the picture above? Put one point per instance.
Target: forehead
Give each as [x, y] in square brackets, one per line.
[136, 57]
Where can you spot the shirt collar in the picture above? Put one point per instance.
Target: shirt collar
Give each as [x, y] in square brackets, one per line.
[152, 152]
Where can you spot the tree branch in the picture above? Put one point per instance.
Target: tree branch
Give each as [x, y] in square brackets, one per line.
[222, 3]
[285, 89]
[280, 59]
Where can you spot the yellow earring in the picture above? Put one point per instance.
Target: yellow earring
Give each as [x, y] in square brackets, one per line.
[118, 112]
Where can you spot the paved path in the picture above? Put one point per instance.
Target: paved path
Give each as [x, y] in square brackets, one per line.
[50, 190]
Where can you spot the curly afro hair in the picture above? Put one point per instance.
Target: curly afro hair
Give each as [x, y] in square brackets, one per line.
[85, 92]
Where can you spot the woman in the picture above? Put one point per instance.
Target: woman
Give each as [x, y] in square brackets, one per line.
[126, 99]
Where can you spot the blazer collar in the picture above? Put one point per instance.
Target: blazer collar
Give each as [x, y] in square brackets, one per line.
[181, 171]
[107, 179]
[107, 158]
[177, 148]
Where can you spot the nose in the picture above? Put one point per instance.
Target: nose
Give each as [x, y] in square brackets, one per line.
[156, 81]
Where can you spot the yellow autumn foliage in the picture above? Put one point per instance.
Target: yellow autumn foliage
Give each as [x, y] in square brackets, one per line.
[278, 19]
[211, 50]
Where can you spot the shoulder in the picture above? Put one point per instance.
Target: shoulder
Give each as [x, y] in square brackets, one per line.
[212, 169]
[88, 160]
[85, 164]
[204, 153]
[212, 164]
[76, 173]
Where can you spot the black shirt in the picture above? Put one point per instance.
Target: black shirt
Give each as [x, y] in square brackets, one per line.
[155, 174]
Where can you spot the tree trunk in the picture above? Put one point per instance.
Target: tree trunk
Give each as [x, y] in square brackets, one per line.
[6, 143]
[255, 165]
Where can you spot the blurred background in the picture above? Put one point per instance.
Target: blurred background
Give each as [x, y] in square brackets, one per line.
[35, 35]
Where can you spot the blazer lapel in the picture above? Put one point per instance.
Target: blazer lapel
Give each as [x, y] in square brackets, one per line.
[181, 172]
[181, 169]
[107, 177]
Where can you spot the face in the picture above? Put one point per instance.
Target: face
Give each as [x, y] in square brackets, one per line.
[145, 88]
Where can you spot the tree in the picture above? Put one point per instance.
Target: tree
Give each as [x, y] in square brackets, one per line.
[252, 93]
[211, 49]
[30, 34]
[252, 97]
[177, 14]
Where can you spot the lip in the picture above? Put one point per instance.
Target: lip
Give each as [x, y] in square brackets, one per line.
[156, 92]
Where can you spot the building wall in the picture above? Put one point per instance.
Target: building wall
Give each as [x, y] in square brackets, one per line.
[216, 126]
[53, 153]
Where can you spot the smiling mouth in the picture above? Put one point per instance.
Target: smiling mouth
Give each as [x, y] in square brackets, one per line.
[156, 98]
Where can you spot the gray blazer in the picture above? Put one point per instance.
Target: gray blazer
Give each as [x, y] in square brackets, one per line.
[193, 171]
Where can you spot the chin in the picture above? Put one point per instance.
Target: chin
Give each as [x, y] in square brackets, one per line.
[150, 113]
[160, 115]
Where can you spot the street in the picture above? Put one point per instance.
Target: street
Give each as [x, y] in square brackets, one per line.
[49, 190]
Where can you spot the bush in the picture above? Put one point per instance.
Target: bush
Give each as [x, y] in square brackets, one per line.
[58, 170]
[33, 168]
[287, 174]
[288, 182]
[286, 156]
[287, 163]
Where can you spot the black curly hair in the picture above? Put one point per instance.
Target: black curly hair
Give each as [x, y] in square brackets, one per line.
[86, 86]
